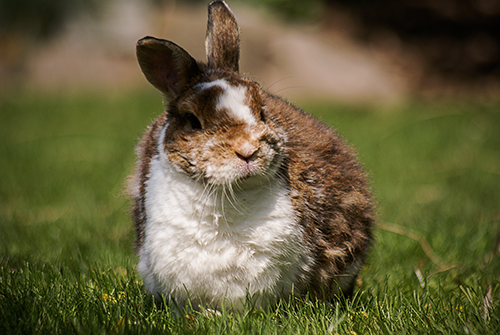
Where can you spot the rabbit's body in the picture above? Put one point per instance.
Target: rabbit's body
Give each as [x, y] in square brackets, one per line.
[218, 242]
[237, 193]
[199, 242]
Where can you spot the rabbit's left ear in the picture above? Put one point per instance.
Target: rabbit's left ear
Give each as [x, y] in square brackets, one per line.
[222, 43]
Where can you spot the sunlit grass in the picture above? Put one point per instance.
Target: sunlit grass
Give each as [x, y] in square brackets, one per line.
[66, 240]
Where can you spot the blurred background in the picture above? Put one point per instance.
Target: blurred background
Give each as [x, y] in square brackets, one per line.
[412, 85]
[355, 51]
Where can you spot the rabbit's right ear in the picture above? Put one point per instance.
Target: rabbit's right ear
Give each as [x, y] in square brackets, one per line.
[166, 65]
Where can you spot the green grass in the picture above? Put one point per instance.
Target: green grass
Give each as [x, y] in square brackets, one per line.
[66, 241]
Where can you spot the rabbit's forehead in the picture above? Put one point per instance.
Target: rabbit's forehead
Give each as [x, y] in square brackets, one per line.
[233, 99]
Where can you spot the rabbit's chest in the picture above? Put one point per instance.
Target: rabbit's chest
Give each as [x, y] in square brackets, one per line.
[212, 241]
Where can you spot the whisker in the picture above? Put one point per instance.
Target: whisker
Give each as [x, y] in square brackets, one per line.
[280, 80]
[222, 196]
[237, 205]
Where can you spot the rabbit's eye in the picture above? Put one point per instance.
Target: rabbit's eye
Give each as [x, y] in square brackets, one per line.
[192, 122]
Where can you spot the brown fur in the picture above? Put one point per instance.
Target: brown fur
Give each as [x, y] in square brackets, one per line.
[146, 149]
[329, 191]
[222, 43]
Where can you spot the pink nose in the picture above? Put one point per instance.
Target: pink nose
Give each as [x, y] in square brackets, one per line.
[245, 151]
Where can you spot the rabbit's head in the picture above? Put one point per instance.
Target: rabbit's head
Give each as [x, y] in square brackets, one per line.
[216, 130]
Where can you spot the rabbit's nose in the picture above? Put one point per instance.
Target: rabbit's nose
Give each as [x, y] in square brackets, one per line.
[246, 151]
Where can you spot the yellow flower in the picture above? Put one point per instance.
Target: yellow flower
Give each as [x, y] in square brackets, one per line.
[107, 297]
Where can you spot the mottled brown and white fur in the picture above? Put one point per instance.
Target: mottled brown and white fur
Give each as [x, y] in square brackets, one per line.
[238, 194]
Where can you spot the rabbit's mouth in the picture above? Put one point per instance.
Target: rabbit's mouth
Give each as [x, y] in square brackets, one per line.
[248, 163]
[247, 170]
[253, 171]
[240, 174]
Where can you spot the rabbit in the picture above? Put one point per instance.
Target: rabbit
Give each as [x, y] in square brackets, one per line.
[238, 196]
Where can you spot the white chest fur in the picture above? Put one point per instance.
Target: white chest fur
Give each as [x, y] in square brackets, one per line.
[216, 245]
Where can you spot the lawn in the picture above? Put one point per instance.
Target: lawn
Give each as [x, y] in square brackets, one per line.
[66, 240]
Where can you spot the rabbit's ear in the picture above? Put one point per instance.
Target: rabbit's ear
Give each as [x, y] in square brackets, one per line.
[166, 65]
[222, 43]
